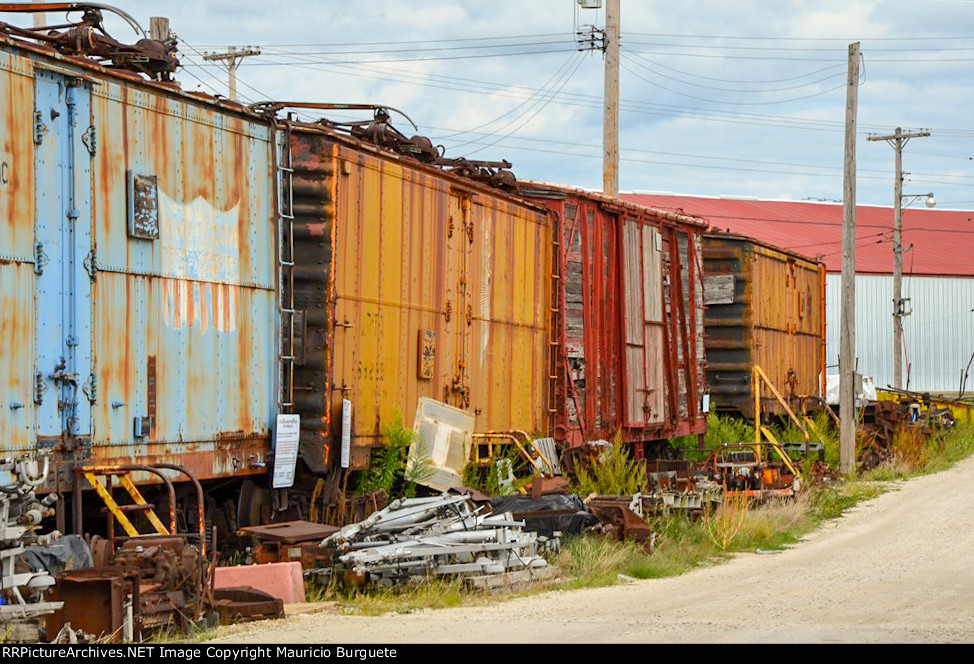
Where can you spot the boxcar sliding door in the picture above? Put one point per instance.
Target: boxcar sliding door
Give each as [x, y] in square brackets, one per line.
[65, 386]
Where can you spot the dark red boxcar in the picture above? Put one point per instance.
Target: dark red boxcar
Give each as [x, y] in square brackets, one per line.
[628, 321]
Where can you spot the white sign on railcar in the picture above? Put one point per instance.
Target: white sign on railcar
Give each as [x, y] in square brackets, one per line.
[346, 432]
[287, 435]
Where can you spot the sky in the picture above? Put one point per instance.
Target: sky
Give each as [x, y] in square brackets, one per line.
[717, 98]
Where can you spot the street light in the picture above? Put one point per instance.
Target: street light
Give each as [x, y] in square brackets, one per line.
[931, 202]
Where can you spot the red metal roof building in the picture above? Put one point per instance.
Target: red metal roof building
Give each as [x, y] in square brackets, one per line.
[942, 240]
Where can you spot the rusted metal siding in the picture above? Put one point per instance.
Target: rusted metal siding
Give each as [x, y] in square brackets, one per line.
[16, 255]
[437, 288]
[631, 302]
[16, 365]
[185, 323]
[775, 321]
[179, 326]
[509, 277]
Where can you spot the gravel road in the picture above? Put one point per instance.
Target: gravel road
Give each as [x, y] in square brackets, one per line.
[897, 569]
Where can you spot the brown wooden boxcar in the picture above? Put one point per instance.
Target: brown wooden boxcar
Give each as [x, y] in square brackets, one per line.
[765, 307]
[628, 320]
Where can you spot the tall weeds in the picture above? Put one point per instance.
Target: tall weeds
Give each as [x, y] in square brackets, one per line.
[612, 472]
[725, 523]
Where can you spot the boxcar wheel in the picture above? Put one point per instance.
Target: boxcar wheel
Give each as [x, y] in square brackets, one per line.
[253, 506]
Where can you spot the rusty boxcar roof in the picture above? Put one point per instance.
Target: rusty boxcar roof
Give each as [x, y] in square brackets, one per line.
[546, 189]
[92, 70]
[89, 69]
[459, 181]
[723, 235]
[942, 240]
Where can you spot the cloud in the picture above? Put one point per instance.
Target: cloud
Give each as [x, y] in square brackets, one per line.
[708, 79]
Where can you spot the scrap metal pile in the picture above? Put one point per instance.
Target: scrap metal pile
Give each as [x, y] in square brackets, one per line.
[444, 535]
[913, 416]
[22, 591]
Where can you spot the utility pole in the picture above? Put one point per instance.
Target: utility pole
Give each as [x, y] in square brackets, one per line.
[233, 58]
[40, 18]
[610, 121]
[898, 140]
[847, 351]
[158, 28]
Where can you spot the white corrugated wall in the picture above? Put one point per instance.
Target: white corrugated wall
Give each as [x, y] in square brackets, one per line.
[939, 333]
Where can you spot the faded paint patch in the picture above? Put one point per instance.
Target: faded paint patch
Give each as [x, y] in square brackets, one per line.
[187, 304]
[486, 282]
[199, 242]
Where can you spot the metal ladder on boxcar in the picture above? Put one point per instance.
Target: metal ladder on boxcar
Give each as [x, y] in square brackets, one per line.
[285, 267]
[555, 363]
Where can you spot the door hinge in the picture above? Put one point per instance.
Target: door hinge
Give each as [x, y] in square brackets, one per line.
[40, 258]
[39, 388]
[88, 138]
[90, 264]
[39, 128]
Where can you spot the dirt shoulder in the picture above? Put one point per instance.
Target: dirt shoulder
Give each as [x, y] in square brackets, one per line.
[896, 569]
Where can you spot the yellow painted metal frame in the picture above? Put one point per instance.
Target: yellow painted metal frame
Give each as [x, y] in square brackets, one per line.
[117, 512]
[757, 377]
[961, 410]
[513, 436]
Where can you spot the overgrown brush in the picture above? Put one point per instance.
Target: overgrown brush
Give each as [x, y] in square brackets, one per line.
[612, 472]
[826, 432]
[596, 561]
[775, 523]
[912, 448]
[505, 476]
[725, 522]
[430, 593]
[723, 430]
[829, 502]
[915, 454]
[390, 466]
[958, 443]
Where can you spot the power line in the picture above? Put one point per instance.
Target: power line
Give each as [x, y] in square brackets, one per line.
[664, 153]
[713, 87]
[731, 103]
[591, 101]
[840, 40]
[541, 106]
[430, 59]
[581, 100]
[534, 95]
[278, 51]
[411, 41]
[206, 71]
[727, 80]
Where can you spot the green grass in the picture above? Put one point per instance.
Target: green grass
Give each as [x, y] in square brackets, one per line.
[831, 501]
[390, 468]
[433, 593]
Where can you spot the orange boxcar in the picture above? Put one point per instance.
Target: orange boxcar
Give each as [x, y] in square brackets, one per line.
[766, 308]
[412, 282]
